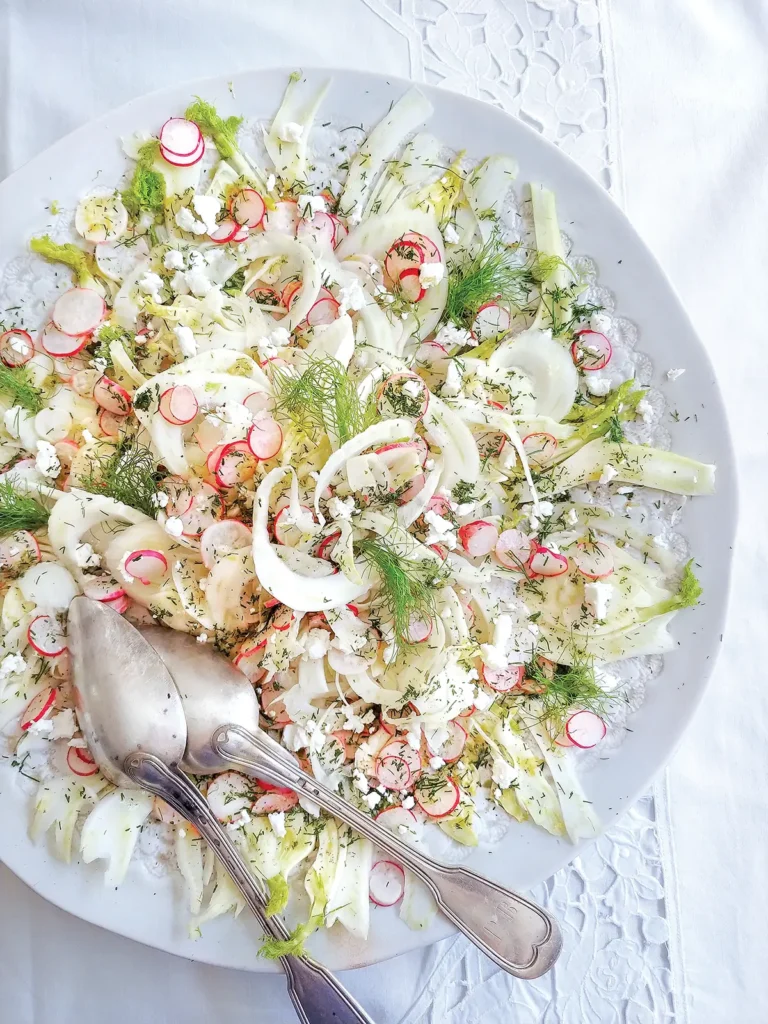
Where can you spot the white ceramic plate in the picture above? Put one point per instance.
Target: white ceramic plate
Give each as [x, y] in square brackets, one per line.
[153, 911]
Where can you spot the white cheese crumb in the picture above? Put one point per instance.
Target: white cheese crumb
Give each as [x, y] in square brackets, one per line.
[316, 644]
[503, 773]
[174, 526]
[596, 598]
[159, 500]
[277, 821]
[372, 799]
[202, 638]
[280, 337]
[86, 557]
[173, 260]
[451, 235]
[598, 386]
[187, 221]
[609, 473]
[207, 208]
[674, 373]
[198, 281]
[64, 725]
[645, 410]
[295, 737]
[42, 728]
[431, 274]
[309, 205]
[452, 337]
[291, 131]
[483, 700]
[271, 182]
[12, 665]
[453, 380]
[360, 782]
[186, 339]
[408, 802]
[435, 763]
[351, 296]
[572, 517]
[46, 460]
[150, 284]
[12, 419]
[545, 508]
[341, 509]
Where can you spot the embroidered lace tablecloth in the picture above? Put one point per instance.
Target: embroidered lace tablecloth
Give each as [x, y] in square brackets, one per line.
[551, 62]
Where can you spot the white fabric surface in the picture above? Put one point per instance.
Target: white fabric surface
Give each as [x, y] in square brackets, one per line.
[668, 102]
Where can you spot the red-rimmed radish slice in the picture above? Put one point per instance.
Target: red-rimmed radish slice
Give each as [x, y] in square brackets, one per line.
[414, 487]
[267, 298]
[103, 588]
[247, 207]
[179, 494]
[503, 679]
[479, 538]
[467, 713]
[403, 255]
[431, 354]
[183, 161]
[399, 820]
[242, 233]
[410, 285]
[249, 660]
[401, 749]
[229, 794]
[324, 311]
[112, 396]
[287, 532]
[236, 464]
[16, 347]
[78, 311]
[393, 772]
[265, 438]
[386, 883]
[340, 231]
[146, 565]
[491, 321]
[17, 550]
[419, 630]
[513, 550]
[289, 293]
[46, 635]
[540, 447]
[101, 217]
[595, 560]
[227, 535]
[440, 504]
[110, 423]
[84, 381]
[325, 547]
[545, 562]
[39, 707]
[120, 604]
[438, 801]
[180, 137]
[78, 766]
[562, 740]
[59, 345]
[319, 231]
[403, 394]
[490, 445]
[273, 707]
[258, 402]
[284, 218]
[390, 452]
[591, 350]
[452, 748]
[425, 243]
[178, 405]
[274, 803]
[224, 231]
[65, 451]
[585, 729]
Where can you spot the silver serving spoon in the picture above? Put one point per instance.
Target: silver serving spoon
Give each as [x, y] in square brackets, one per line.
[134, 722]
[222, 718]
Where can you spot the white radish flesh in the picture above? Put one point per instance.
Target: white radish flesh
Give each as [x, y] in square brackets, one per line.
[180, 137]
[403, 750]
[540, 447]
[228, 794]
[319, 232]
[53, 424]
[112, 396]
[452, 748]
[78, 766]
[16, 347]
[393, 772]
[419, 630]
[545, 562]
[265, 438]
[101, 218]
[178, 405]
[247, 208]
[479, 537]
[386, 883]
[78, 311]
[274, 803]
[595, 561]
[284, 218]
[147, 566]
[223, 537]
[409, 283]
[401, 821]
[183, 161]
[18, 549]
[591, 350]
[585, 729]
[324, 311]
[505, 679]
[46, 636]
[49, 586]
[39, 707]
[492, 321]
[103, 588]
[60, 345]
[513, 550]
[236, 464]
[438, 802]
[224, 231]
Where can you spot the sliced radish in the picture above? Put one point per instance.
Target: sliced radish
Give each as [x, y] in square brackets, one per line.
[249, 661]
[273, 706]
[112, 396]
[46, 635]
[320, 231]
[227, 535]
[259, 401]
[267, 298]
[265, 438]
[78, 766]
[410, 285]
[236, 464]
[490, 445]
[595, 560]
[16, 347]
[178, 405]
[419, 630]
[403, 394]
[340, 231]
[432, 355]
[591, 350]
[399, 748]
[286, 532]
[39, 707]
[400, 821]
[59, 345]
[110, 424]
[438, 801]
[513, 550]
[393, 772]
[180, 137]
[545, 562]
[284, 218]
[390, 452]
[18, 550]
[179, 496]
[403, 255]
[101, 217]
[540, 447]
[78, 311]
[585, 729]
[103, 588]
[84, 381]
[289, 293]
[146, 565]
[209, 434]
[452, 748]
[274, 803]
[467, 713]
[120, 604]
[242, 233]
[492, 320]
[224, 231]
[325, 546]
[183, 161]
[228, 794]
[479, 538]
[324, 311]
[427, 246]
[503, 679]
[386, 883]
[247, 207]
[440, 504]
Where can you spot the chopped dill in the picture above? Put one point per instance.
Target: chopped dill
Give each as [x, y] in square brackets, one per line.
[234, 285]
[124, 471]
[323, 398]
[570, 687]
[108, 333]
[19, 511]
[463, 492]
[615, 430]
[16, 381]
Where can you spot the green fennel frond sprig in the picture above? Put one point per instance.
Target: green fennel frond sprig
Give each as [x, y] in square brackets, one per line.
[322, 398]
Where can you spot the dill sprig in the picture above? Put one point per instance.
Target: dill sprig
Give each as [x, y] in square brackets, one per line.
[126, 472]
[16, 381]
[569, 687]
[407, 585]
[323, 398]
[19, 511]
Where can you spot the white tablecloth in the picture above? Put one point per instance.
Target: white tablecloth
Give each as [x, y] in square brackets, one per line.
[665, 103]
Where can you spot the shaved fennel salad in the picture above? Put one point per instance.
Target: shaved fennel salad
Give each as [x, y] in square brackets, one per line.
[366, 435]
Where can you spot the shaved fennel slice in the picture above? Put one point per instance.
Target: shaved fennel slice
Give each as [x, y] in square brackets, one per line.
[272, 243]
[634, 464]
[189, 858]
[224, 898]
[381, 433]
[126, 306]
[336, 340]
[75, 514]
[418, 907]
[146, 535]
[58, 802]
[348, 901]
[290, 158]
[486, 188]
[291, 588]
[405, 116]
[111, 830]
[381, 332]
[419, 164]
[446, 428]
[408, 514]
[377, 233]
[125, 367]
[549, 365]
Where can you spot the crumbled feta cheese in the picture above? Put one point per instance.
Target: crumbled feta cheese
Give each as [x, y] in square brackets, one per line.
[173, 260]
[645, 410]
[271, 182]
[280, 337]
[341, 509]
[174, 526]
[600, 322]
[452, 337]
[372, 799]
[435, 763]
[483, 700]
[42, 728]
[46, 460]
[674, 373]
[451, 235]
[545, 508]
[359, 781]
[64, 725]
[238, 419]
[598, 386]
[596, 598]
[291, 131]
[413, 735]
[316, 644]
[13, 418]
[503, 774]
[199, 282]
[12, 665]
[150, 284]
[453, 380]
[572, 517]
[187, 221]
[408, 802]
[441, 530]
[351, 296]
[179, 284]
[609, 473]
[309, 205]
[295, 737]
[207, 209]
[412, 388]
[431, 274]
[86, 557]
[277, 821]
[495, 655]
[266, 349]
[159, 500]
[355, 215]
